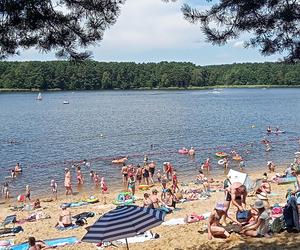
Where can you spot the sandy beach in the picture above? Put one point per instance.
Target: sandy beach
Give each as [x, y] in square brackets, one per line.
[187, 236]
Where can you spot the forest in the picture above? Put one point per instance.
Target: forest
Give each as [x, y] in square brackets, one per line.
[90, 75]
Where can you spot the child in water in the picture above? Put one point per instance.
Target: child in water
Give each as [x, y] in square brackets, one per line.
[96, 179]
[53, 186]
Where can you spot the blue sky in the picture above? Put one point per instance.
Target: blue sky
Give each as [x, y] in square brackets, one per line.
[153, 31]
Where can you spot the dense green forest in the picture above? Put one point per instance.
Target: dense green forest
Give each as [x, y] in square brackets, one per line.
[99, 75]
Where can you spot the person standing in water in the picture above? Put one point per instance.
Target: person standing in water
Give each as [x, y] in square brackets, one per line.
[68, 183]
[18, 168]
[27, 192]
[152, 166]
[139, 174]
[192, 152]
[53, 186]
[104, 189]
[79, 176]
[124, 172]
[131, 184]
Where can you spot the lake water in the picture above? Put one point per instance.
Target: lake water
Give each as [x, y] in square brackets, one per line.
[102, 125]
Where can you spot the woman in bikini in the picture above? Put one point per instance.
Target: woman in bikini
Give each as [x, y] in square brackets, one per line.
[124, 172]
[68, 184]
[65, 217]
[214, 226]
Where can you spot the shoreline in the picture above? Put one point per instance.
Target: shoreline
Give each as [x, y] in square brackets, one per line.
[8, 90]
[114, 189]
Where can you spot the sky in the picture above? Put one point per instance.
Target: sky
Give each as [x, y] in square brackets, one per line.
[154, 31]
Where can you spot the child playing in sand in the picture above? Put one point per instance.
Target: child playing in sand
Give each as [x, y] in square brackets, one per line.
[27, 192]
[79, 176]
[104, 189]
[53, 186]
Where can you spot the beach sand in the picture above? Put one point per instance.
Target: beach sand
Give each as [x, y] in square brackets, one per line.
[171, 237]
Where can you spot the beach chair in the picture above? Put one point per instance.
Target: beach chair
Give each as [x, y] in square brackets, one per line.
[11, 219]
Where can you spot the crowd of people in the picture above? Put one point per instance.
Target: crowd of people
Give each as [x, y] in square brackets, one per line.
[249, 219]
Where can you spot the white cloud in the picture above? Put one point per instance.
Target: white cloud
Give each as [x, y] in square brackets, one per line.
[151, 24]
[239, 44]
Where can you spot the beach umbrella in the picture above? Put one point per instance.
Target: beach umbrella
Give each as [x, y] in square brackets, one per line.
[123, 222]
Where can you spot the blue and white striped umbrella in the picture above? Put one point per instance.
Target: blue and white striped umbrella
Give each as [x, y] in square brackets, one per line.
[123, 222]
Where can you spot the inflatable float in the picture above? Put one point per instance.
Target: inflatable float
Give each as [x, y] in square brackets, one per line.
[221, 162]
[237, 158]
[221, 154]
[183, 151]
[144, 187]
[120, 161]
[286, 180]
[124, 198]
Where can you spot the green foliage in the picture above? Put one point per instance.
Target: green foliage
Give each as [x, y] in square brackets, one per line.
[90, 75]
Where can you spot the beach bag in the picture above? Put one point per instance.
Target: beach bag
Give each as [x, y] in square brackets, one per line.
[243, 216]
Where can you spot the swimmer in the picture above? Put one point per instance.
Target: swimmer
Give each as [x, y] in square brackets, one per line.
[68, 183]
[269, 130]
[18, 168]
[96, 179]
[92, 174]
[192, 151]
[175, 182]
[5, 190]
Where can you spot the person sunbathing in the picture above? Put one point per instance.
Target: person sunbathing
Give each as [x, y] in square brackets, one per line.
[35, 245]
[215, 229]
[65, 217]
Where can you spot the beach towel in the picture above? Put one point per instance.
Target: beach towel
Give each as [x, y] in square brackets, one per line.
[51, 243]
[60, 228]
[175, 221]
[6, 244]
[140, 238]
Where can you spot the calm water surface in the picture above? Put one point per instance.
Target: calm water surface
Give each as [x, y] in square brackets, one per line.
[99, 126]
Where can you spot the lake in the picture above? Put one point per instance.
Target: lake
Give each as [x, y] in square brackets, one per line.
[100, 126]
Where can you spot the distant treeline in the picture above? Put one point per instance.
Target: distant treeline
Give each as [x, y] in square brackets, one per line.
[100, 75]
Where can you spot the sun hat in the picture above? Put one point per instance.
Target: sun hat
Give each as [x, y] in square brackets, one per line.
[262, 196]
[277, 174]
[220, 206]
[258, 204]
[269, 162]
